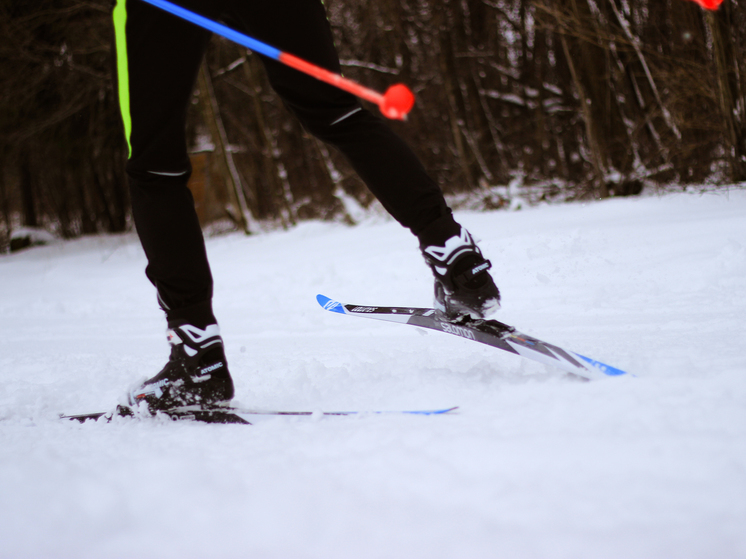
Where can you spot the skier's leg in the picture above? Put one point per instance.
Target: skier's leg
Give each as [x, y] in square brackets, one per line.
[158, 57]
[384, 161]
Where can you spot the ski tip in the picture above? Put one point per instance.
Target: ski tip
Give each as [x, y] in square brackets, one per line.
[439, 411]
[330, 305]
[603, 367]
[435, 412]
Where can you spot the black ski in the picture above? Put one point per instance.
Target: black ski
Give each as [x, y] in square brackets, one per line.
[489, 332]
[238, 415]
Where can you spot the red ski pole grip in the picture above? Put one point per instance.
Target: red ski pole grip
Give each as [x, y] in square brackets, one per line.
[709, 4]
[397, 102]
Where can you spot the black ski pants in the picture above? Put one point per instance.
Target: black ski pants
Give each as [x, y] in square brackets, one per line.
[158, 58]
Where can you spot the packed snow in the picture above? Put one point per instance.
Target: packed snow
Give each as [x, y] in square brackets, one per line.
[533, 464]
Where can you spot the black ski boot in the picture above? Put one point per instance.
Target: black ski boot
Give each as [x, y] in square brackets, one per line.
[463, 285]
[196, 373]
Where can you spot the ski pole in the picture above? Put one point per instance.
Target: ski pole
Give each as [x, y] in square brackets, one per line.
[394, 104]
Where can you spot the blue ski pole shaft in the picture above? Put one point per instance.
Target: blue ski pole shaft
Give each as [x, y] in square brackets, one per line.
[219, 28]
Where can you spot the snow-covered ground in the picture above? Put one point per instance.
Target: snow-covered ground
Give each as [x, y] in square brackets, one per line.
[534, 464]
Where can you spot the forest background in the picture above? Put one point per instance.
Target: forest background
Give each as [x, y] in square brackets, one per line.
[557, 99]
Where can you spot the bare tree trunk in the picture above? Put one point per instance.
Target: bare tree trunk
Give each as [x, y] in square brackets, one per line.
[274, 169]
[448, 75]
[4, 205]
[231, 178]
[635, 41]
[725, 66]
[590, 131]
[28, 188]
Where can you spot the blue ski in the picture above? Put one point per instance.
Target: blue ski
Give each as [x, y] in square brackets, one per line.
[489, 332]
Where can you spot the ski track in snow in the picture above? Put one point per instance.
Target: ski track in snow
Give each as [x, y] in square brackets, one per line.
[534, 464]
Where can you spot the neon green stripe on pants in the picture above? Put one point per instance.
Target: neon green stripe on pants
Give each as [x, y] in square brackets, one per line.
[120, 22]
